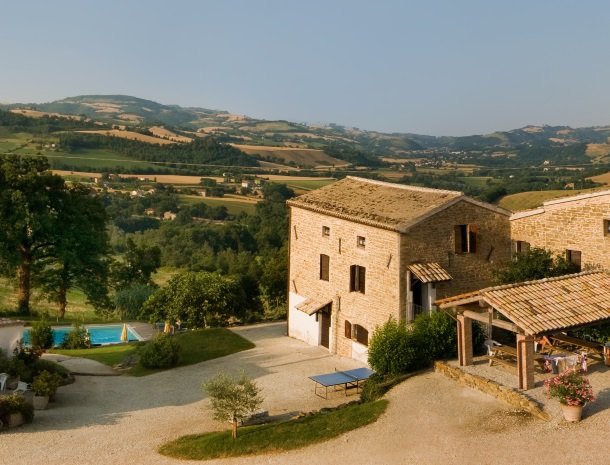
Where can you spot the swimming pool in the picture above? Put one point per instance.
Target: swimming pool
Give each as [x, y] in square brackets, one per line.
[99, 334]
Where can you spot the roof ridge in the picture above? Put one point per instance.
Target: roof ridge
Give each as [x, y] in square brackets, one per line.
[408, 187]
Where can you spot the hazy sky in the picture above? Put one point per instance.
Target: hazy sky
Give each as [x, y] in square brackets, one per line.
[451, 67]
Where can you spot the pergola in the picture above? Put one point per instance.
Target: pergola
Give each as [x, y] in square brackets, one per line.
[530, 310]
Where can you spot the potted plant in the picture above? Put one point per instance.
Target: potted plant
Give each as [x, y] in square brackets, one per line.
[14, 410]
[572, 390]
[44, 386]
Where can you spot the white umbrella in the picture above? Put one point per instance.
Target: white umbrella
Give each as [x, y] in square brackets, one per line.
[124, 335]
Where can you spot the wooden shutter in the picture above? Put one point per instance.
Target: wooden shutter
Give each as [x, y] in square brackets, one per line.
[348, 329]
[361, 278]
[472, 238]
[352, 278]
[324, 267]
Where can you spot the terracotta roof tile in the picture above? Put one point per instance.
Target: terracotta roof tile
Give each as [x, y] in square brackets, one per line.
[549, 304]
[377, 203]
[429, 272]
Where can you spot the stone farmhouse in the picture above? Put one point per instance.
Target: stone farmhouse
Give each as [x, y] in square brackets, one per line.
[577, 226]
[362, 251]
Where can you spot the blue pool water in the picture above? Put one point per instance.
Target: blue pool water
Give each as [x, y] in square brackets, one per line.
[99, 335]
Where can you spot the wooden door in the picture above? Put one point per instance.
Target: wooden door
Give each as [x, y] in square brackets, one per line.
[325, 326]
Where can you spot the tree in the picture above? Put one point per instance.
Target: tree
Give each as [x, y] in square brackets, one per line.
[31, 198]
[140, 262]
[78, 256]
[199, 299]
[535, 263]
[233, 398]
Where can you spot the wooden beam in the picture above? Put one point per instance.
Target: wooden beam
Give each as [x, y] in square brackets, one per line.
[484, 318]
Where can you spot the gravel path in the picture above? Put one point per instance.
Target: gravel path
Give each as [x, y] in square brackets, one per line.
[430, 420]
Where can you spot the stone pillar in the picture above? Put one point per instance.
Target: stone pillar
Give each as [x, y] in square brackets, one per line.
[464, 332]
[525, 361]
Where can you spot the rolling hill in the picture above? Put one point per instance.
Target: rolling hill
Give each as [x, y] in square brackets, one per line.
[306, 145]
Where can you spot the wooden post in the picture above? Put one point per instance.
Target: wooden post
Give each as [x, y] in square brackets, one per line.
[525, 361]
[464, 327]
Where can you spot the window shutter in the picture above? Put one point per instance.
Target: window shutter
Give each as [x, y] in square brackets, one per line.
[352, 278]
[472, 238]
[361, 278]
[324, 267]
[457, 233]
[348, 329]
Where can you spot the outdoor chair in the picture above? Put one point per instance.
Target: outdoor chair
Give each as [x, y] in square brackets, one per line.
[22, 387]
[3, 379]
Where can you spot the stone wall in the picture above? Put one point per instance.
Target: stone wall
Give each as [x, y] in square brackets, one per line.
[497, 390]
[379, 256]
[575, 225]
[434, 240]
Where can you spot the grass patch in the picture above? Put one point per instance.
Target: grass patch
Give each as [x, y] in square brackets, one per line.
[108, 355]
[195, 346]
[308, 185]
[253, 440]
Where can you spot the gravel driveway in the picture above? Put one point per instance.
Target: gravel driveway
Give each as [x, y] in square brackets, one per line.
[430, 420]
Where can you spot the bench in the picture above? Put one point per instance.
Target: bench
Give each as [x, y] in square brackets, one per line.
[507, 355]
[563, 341]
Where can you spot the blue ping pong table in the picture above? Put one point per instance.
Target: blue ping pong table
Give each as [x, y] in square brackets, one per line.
[347, 379]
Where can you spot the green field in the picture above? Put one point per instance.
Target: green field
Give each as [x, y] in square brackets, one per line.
[527, 200]
[92, 159]
[234, 207]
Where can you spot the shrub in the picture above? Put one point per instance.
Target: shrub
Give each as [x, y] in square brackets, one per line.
[15, 404]
[46, 384]
[41, 335]
[78, 338]
[163, 351]
[439, 333]
[394, 349]
[570, 387]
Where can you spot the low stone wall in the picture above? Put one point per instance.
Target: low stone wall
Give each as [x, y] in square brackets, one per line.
[497, 390]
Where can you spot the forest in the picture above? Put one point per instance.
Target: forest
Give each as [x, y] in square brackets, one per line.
[57, 236]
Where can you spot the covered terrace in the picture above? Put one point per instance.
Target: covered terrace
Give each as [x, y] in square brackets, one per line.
[531, 310]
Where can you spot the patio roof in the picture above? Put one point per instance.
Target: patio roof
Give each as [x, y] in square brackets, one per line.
[310, 306]
[429, 272]
[546, 305]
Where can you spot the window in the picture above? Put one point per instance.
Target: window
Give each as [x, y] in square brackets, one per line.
[361, 242]
[324, 267]
[574, 257]
[348, 329]
[325, 231]
[361, 335]
[606, 227]
[357, 278]
[466, 238]
[521, 247]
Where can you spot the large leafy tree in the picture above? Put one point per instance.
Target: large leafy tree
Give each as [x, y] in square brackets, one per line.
[198, 299]
[78, 254]
[31, 198]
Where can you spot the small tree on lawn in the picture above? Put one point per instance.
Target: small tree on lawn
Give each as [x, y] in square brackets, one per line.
[233, 398]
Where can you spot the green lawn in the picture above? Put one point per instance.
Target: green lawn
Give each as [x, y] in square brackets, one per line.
[108, 355]
[195, 346]
[77, 309]
[274, 437]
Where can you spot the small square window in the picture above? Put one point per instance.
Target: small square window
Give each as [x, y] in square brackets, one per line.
[361, 242]
[575, 258]
[325, 231]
